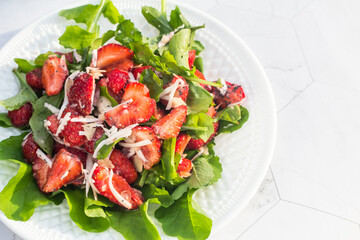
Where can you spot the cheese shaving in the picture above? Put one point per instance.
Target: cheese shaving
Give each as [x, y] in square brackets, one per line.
[68, 84]
[94, 58]
[177, 102]
[235, 103]
[87, 119]
[137, 144]
[77, 56]
[52, 109]
[89, 182]
[118, 197]
[140, 154]
[126, 102]
[171, 95]
[132, 77]
[43, 156]
[223, 89]
[138, 163]
[198, 154]
[96, 73]
[63, 122]
[64, 175]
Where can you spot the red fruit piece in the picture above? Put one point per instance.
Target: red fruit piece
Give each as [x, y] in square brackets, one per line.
[138, 111]
[68, 56]
[53, 123]
[169, 125]
[123, 166]
[40, 172]
[137, 71]
[158, 112]
[211, 111]
[71, 131]
[181, 92]
[125, 65]
[33, 78]
[112, 54]
[29, 148]
[184, 168]
[151, 152]
[81, 94]
[101, 177]
[181, 143]
[201, 76]
[20, 117]
[53, 75]
[192, 55]
[79, 153]
[117, 80]
[195, 143]
[233, 94]
[89, 145]
[65, 168]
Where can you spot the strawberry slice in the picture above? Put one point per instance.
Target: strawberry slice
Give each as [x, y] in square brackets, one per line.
[117, 80]
[182, 90]
[81, 94]
[181, 142]
[158, 112]
[112, 54]
[53, 123]
[198, 143]
[29, 148]
[138, 111]
[53, 75]
[125, 65]
[33, 78]
[151, 152]
[89, 145]
[138, 70]
[71, 132]
[65, 168]
[123, 166]
[184, 168]
[101, 177]
[169, 125]
[40, 172]
[79, 153]
[192, 55]
[21, 117]
[68, 56]
[233, 94]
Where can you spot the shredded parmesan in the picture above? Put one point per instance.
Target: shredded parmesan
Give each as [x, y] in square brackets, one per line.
[223, 89]
[177, 102]
[169, 93]
[132, 77]
[25, 139]
[68, 84]
[43, 156]
[88, 172]
[77, 56]
[137, 144]
[167, 37]
[140, 154]
[96, 73]
[198, 154]
[126, 102]
[235, 103]
[138, 163]
[118, 197]
[103, 105]
[52, 109]
[94, 58]
[87, 119]
[63, 122]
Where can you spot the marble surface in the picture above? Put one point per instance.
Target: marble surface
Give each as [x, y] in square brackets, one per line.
[310, 51]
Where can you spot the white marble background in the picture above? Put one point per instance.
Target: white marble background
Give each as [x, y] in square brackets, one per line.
[310, 50]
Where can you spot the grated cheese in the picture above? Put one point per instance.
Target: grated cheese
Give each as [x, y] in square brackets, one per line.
[63, 122]
[77, 56]
[224, 88]
[68, 84]
[140, 154]
[198, 154]
[52, 109]
[96, 73]
[64, 175]
[94, 58]
[87, 119]
[132, 77]
[137, 144]
[138, 163]
[118, 197]
[43, 156]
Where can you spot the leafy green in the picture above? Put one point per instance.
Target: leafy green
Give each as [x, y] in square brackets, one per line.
[157, 195]
[83, 14]
[158, 20]
[199, 121]
[198, 63]
[10, 148]
[230, 114]
[94, 208]
[180, 190]
[134, 225]
[40, 60]
[77, 38]
[41, 136]
[198, 47]
[106, 149]
[105, 93]
[126, 33]
[199, 100]
[112, 14]
[26, 94]
[179, 47]
[170, 161]
[103, 39]
[183, 219]
[177, 19]
[153, 82]
[229, 127]
[21, 195]
[202, 173]
[5, 121]
[25, 65]
[155, 176]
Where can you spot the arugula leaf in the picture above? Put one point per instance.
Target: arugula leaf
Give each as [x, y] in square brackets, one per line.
[102, 40]
[157, 195]
[40, 60]
[177, 19]
[198, 47]
[198, 63]
[112, 14]
[26, 94]
[21, 195]
[199, 120]
[183, 219]
[10, 148]
[229, 127]
[155, 18]
[76, 38]
[230, 114]
[155, 176]
[179, 47]
[25, 65]
[5, 121]
[83, 14]
[106, 149]
[202, 173]
[170, 161]
[153, 82]
[135, 224]
[199, 100]
[96, 221]
[41, 136]
[180, 190]
[127, 32]
[105, 93]
[93, 208]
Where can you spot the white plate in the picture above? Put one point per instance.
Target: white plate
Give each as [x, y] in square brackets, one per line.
[245, 155]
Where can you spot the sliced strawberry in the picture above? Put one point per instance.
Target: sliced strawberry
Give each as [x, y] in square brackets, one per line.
[195, 144]
[20, 117]
[138, 70]
[79, 153]
[123, 166]
[181, 143]
[158, 112]
[54, 73]
[33, 78]
[71, 131]
[211, 112]
[125, 65]
[81, 94]
[112, 54]
[201, 76]
[65, 168]
[181, 92]
[135, 90]
[68, 56]
[90, 145]
[184, 168]
[151, 152]
[169, 125]
[29, 148]
[40, 172]
[192, 55]
[101, 177]
[234, 94]
[53, 123]
[117, 80]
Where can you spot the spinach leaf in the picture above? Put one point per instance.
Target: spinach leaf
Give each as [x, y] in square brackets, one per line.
[199, 100]
[24, 65]
[41, 136]
[170, 161]
[230, 114]
[179, 47]
[105, 93]
[177, 19]
[94, 208]
[10, 148]
[5, 121]
[158, 20]
[157, 195]
[21, 195]
[183, 219]
[75, 37]
[201, 124]
[135, 224]
[229, 127]
[153, 82]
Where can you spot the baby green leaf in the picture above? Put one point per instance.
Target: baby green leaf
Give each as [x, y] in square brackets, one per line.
[25, 65]
[112, 14]
[153, 82]
[201, 175]
[5, 121]
[155, 18]
[157, 195]
[177, 19]
[179, 47]
[199, 100]
[230, 114]
[229, 127]
[10, 148]
[39, 60]
[199, 121]
[127, 32]
[170, 161]
[104, 92]
[75, 37]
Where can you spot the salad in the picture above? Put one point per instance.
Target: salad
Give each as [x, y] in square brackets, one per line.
[118, 123]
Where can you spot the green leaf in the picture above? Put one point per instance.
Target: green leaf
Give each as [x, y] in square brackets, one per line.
[201, 175]
[153, 82]
[157, 195]
[183, 219]
[155, 18]
[199, 100]
[127, 32]
[179, 47]
[41, 136]
[5, 121]
[24, 65]
[229, 127]
[155, 176]
[112, 14]
[75, 37]
[21, 195]
[170, 161]
[198, 63]
[95, 222]
[10, 148]
[135, 224]
[177, 19]
[202, 121]
[230, 114]
[40, 60]
[106, 149]
[105, 93]
[102, 40]
[94, 208]
[198, 47]
[180, 190]
[83, 14]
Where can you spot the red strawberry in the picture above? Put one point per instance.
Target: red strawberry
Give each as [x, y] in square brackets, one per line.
[54, 73]
[112, 54]
[117, 80]
[81, 93]
[138, 70]
[33, 78]
[40, 172]
[68, 56]
[211, 111]
[79, 153]
[123, 166]
[181, 143]
[184, 168]
[20, 117]
[138, 111]
[29, 148]
[90, 145]
[70, 133]
[192, 55]
[151, 152]
[54, 123]
[101, 177]
[195, 143]
[125, 65]
[65, 168]
[234, 94]
[158, 112]
[201, 76]
[169, 125]
[181, 92]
